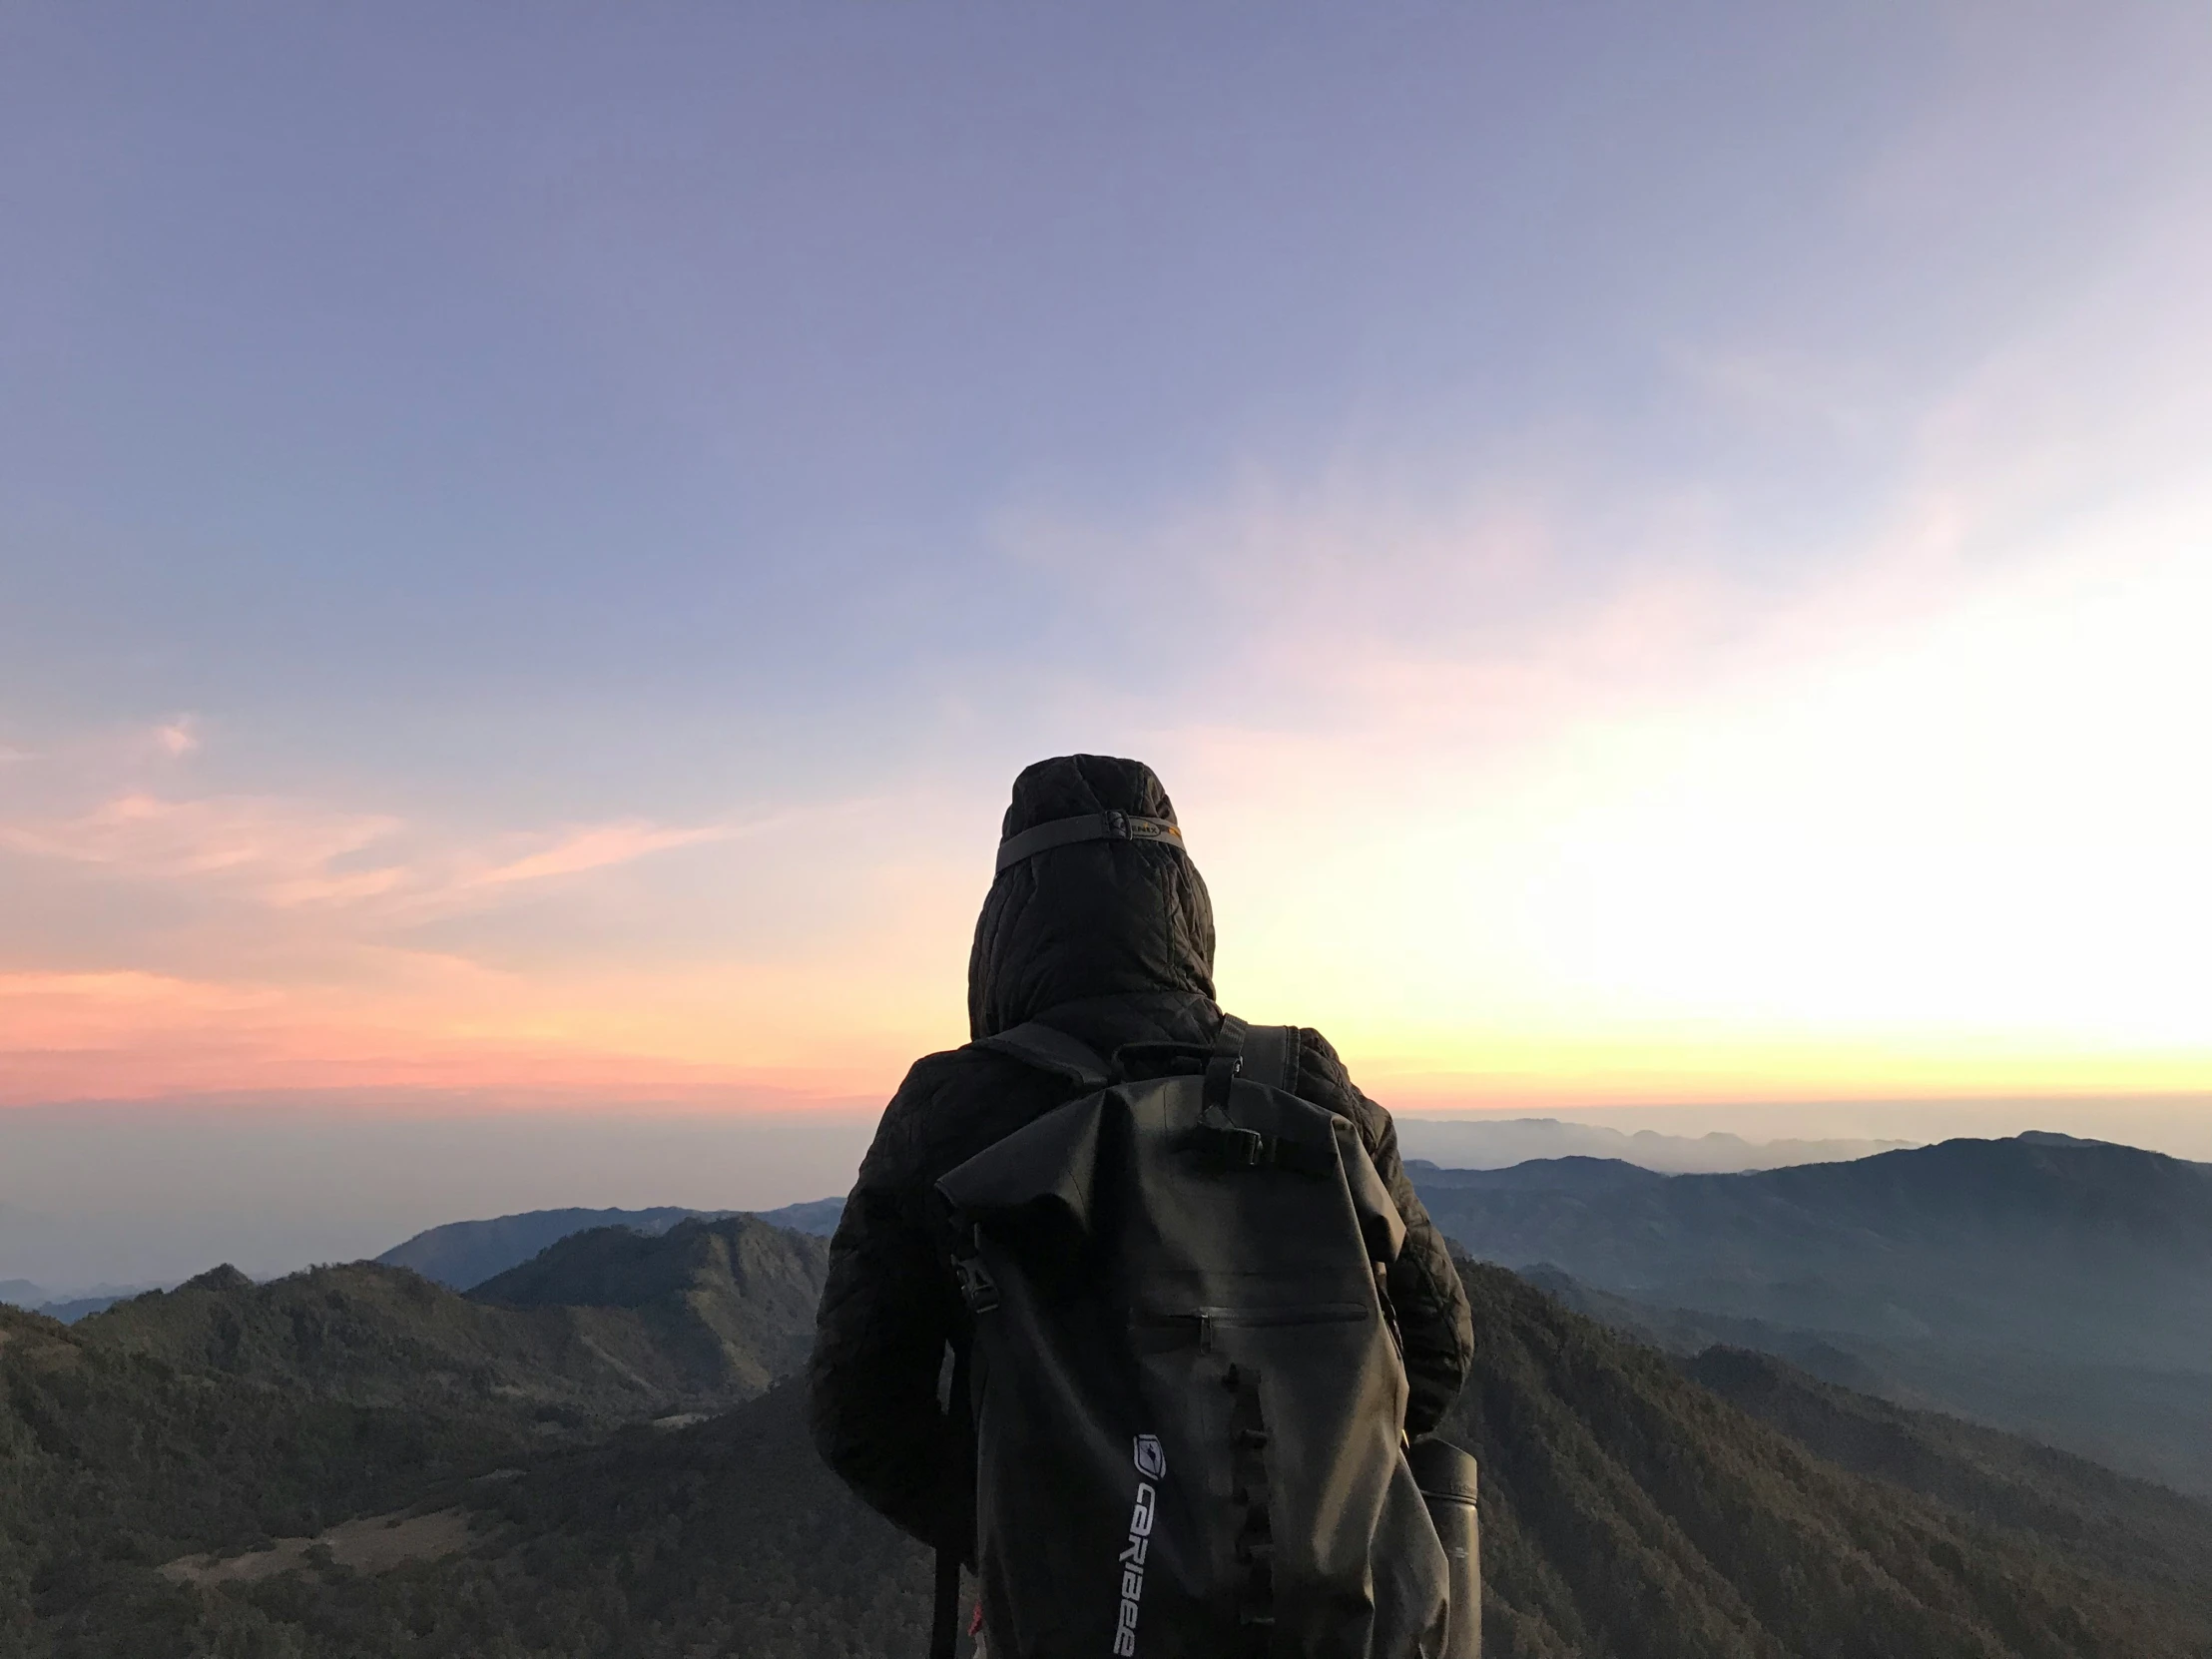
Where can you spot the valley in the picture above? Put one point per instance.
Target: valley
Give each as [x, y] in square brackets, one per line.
[601, 1450]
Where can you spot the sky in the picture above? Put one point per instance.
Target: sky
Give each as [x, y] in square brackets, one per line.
[1661, 552]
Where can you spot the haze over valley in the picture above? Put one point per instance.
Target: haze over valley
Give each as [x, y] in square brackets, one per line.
[99, 1197]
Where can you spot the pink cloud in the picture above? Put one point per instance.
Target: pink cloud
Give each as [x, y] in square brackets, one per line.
[281, 852]
[288, 855]
[435, 1023]
[595, 847]
[297, 961]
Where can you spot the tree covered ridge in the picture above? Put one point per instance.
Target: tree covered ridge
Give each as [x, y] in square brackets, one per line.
[1629, 1511]
[605, 1326]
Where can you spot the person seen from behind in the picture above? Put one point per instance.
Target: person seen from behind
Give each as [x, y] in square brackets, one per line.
[1158, 1437]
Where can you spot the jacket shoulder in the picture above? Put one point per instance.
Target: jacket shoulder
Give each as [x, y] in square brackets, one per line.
[1323, 1079]
[948, 1107]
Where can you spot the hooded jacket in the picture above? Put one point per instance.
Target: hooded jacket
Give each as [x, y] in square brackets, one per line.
[1112, 943]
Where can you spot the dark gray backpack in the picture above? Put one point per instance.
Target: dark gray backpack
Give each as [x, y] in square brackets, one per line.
[1185, 1383]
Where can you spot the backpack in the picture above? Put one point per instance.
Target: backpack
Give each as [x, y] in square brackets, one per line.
[1184, 1381]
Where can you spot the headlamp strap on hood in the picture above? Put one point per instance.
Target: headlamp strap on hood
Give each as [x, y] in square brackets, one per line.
[1090, 826]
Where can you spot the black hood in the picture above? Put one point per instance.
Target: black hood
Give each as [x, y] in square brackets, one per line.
[1097, 919]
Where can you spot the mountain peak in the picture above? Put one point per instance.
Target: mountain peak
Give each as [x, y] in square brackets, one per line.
[222, 1279]
[464, 1254]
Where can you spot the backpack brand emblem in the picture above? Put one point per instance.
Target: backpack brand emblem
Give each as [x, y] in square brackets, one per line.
[1152, 1463]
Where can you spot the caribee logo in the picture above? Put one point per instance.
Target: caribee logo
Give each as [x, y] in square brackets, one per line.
[1151, 1463]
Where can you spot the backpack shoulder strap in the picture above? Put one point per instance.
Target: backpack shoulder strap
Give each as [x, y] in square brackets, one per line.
[945, 1612]
[1264, 1054]
[1050, 1049]
[1267, 1055]
[1270, 1056]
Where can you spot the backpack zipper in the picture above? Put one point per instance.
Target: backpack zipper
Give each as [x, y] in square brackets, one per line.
[1203, 1321]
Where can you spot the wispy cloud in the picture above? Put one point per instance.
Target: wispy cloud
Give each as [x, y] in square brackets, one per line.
[121, 988]
[291, 854]
[595, 847]
[274, 852]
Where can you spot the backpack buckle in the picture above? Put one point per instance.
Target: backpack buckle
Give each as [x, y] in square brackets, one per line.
[1226, 1144]
[978, 1288]
[1221, 1072]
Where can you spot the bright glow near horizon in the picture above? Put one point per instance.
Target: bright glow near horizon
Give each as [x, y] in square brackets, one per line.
[1717, 612]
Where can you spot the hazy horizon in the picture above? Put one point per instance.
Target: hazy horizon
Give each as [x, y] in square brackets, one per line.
[142, 1193]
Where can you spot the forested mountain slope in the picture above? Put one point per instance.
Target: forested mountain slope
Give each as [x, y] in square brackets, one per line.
[112, 1463]
[463, 1254]
[2152, 1422]
[613, 1325]
[2105, 1522]
[736, 1296]
[726, 1537]
[1629, 1513]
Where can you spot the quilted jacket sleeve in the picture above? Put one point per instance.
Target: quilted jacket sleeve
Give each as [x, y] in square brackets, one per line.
[1430, 1301]
[888, 1312]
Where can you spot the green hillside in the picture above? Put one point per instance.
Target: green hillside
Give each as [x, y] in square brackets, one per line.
[463, 1254]
[2108, 1522]
[112, 1463]
[2144, 1420]
[734, 1298]
[724, 1537]
[1630, 1511]
[606, 1326]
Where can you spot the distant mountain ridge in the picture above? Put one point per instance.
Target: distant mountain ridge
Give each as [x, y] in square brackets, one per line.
[1984, 1238]
[2059, 1287]
[614, 1325]
[1485, 1142]
[464, 1254]
[35, 1298]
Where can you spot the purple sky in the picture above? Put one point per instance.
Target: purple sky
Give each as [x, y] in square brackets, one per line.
[1663, 552]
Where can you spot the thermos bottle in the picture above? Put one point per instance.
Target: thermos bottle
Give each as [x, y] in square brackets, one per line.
[1446, 1475]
